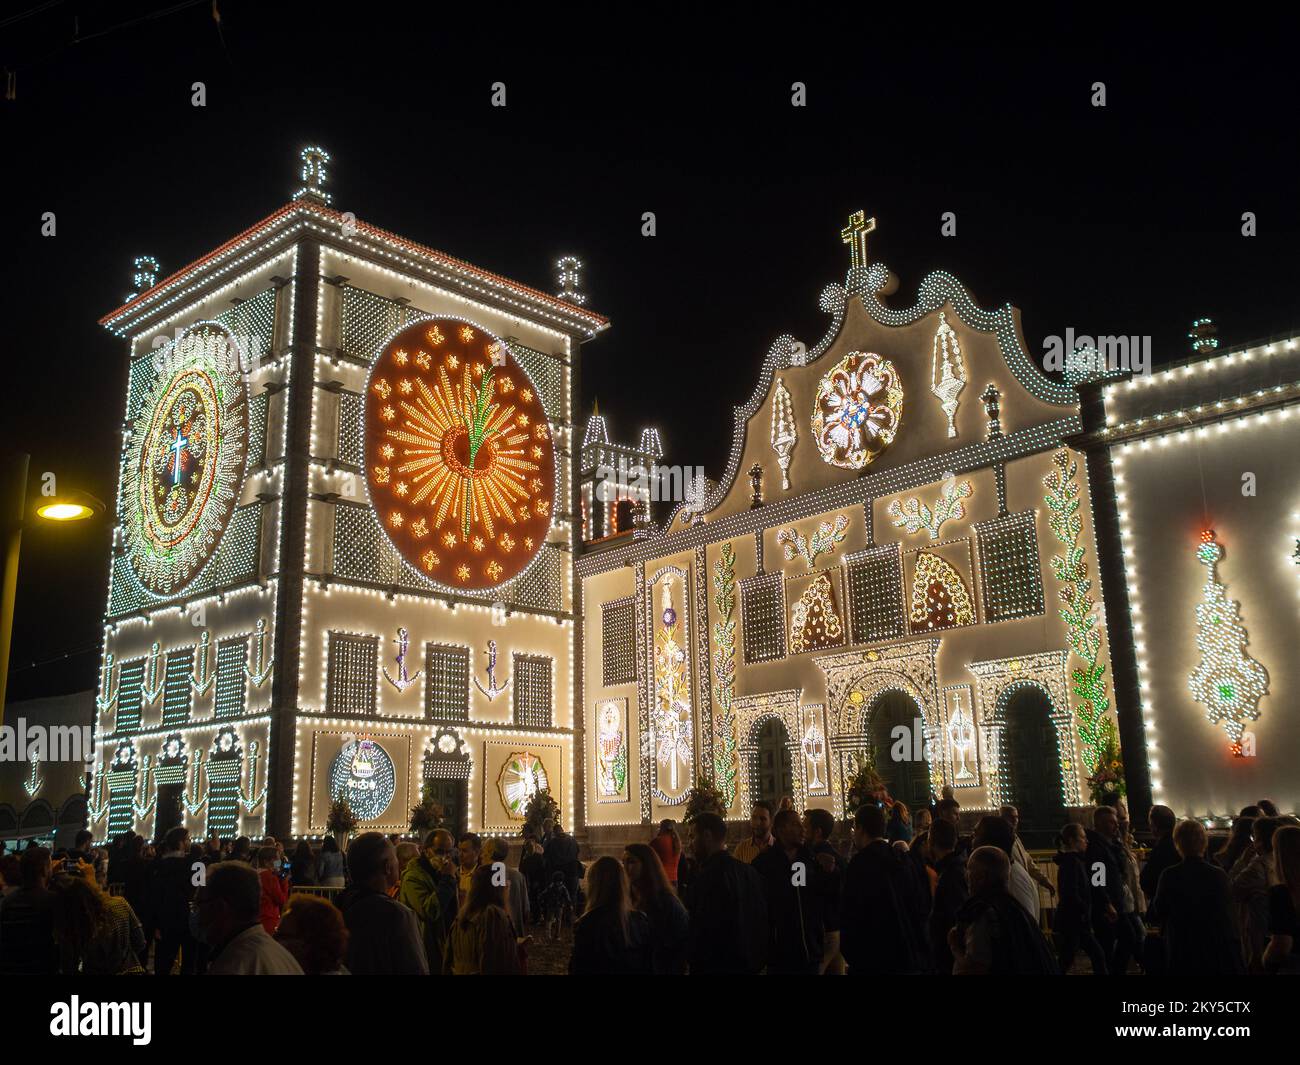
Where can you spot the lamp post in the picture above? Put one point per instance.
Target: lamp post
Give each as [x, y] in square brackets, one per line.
[72, 506]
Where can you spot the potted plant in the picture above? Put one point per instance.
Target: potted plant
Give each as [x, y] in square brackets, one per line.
[864, 786]
[540, 807]
[426, 815]
[705, 797]
[341, 821]
[1106, 782]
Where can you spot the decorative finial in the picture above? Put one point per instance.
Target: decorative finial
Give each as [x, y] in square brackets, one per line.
[314, 159]
[785, 433]
[855, 236]
[145, 276]
[640, 519]
[947, 371]
[568, 280]
[1203, 336]
[992, 408]
[755, 486]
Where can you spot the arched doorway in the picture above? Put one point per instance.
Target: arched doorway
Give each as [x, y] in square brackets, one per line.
[907, 778]
[775, 766]
[1033, 765]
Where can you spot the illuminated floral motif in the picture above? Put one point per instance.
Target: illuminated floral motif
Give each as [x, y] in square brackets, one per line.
[947, 371]
[857, 410]
[1082, 631]
[671, 723]
[1227, 680]
[810, 549]
[939, 596]
[173, 751]
[785, 434]
[611, 749]
[185, 459]
[362, 772]
[916, 516]
[725, 763]
[471, 455]
[521, 778]
[814, 622]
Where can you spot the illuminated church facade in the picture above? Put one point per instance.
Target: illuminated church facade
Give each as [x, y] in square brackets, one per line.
[363, 552]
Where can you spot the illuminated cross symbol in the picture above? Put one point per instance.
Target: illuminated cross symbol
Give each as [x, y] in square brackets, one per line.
[179, 445]
[855, 236]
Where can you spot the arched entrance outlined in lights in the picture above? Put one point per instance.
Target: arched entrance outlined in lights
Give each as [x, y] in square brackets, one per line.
[854, 680]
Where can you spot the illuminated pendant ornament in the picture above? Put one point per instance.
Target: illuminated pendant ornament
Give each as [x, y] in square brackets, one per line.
[185, 460]
[522, 777]
[363, 772]
[784, 432]
[857, 410]
[947, 382]
[1228, 682]
[460, 464]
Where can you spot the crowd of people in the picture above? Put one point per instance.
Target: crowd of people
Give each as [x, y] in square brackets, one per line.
[909, 894]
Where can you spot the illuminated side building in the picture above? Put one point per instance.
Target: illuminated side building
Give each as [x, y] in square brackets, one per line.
[344, 561]
[615, 479]
[892, 584]
[1198, 514]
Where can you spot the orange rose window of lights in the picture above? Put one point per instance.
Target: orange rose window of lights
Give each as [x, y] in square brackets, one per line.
[460, 464]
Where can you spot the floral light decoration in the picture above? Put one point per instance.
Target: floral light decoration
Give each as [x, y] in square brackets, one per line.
[863, 785]
[915, 516]
[795, 544]
[611, 748]
[1227, 681]
[671, 722]
[1071, 569]
[857, 410]
[460, 464]
[184, 462]
[725, 763]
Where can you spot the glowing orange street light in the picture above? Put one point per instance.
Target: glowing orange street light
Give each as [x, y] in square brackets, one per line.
[70, 506]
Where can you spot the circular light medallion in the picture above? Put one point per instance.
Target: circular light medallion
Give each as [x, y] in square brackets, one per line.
[185, 460]
[857, 410]
[522, 777]
[363, 772]
[460, 465]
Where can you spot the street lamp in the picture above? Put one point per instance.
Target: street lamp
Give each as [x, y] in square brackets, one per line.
[65, 507]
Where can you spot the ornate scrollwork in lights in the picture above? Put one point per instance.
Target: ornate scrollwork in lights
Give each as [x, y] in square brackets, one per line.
[460, 464]
[184, 464]
[857, 410]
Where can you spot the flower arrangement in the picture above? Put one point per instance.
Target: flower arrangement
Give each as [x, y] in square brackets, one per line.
[864, 785]
[705, 797]
[426, 815]
[540, 807]
[1106, 784]
[341, 818]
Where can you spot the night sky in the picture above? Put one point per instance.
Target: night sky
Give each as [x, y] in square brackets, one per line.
[1117, 220]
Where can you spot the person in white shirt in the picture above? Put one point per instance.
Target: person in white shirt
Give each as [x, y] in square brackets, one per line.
[996, 831]
[1020, 855]
[229, 918]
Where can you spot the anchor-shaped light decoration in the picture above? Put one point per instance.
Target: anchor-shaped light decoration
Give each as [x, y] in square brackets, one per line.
[153, 687]
[402, 682]
[492, 690]
[202, 682]
[143, 811]
[96, 810]
[106, 701]
[33, 783]
[251, 804]
[193, 806]
[260, 671]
